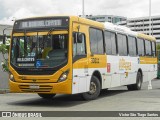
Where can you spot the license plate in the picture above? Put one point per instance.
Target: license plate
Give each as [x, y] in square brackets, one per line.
[34, 87]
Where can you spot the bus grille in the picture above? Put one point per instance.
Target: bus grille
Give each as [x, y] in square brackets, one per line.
[42, 88]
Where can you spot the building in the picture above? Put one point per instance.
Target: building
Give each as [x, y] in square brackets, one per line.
[106, 18]
[6, 30]
[142, 24]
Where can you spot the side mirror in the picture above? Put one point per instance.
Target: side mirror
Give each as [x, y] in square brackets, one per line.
[79, 38]
[4, 39]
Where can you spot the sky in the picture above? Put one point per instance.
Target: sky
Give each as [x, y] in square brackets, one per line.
[16, 9]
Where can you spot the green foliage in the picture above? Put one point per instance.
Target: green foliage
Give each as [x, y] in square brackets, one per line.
[5, 66]
[4, 50]
[158, 47]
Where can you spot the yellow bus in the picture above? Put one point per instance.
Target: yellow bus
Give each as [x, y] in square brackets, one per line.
[70, 55]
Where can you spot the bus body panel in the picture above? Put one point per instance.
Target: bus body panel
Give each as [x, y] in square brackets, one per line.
[48, 88]
[149, 67]
[120, 73]
[123, 70]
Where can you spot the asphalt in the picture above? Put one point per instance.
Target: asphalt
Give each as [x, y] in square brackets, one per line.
[115, 99]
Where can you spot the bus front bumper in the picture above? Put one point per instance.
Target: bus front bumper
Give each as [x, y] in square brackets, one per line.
[48, 88]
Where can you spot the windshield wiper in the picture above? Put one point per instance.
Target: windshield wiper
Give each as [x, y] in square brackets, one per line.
[49, 32]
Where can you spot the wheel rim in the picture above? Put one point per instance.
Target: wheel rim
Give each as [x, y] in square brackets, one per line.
[93, 88]
[139, 81]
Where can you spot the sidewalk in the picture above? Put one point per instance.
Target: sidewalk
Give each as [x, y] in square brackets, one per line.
[4, 91]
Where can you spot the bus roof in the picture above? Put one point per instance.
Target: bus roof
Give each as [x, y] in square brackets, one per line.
[37, 17]
[88, 22]
[106, 26]
[126, 30]
[118, 28]
[148, 37]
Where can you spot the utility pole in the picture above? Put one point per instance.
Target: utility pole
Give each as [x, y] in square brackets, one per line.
[150, 84]
[150, 17]
[83, 14]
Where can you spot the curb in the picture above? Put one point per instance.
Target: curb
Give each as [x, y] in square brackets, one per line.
[4, 91]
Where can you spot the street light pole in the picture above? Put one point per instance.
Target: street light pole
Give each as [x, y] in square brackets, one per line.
[83, 14]
[149, 17]
[149, 84]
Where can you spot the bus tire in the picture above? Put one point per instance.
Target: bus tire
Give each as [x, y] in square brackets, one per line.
[104, 90]
[139, 81]
[130, 87]
[138, 84]
[95, 89]
[46, 96]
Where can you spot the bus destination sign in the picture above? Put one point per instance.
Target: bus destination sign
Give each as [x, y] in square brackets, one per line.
[41, 23]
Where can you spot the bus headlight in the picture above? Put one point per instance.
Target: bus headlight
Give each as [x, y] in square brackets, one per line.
[63, 76]
[11, 77]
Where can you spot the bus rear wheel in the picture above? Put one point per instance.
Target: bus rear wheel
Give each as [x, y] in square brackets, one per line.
[138, 84]
[46, 96]
[94, 89]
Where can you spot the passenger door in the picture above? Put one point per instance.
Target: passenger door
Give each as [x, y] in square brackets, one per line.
[97, 56]
[80, 60]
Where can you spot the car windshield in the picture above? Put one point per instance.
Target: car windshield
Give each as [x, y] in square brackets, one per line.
[39, 51]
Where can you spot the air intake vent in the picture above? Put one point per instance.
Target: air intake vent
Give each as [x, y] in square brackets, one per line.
[36, 88]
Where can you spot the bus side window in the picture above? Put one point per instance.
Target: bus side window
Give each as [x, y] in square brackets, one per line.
[79, 44]
[140, 45]
[153, 49]
[110, 41]
[122, 44]
[96, 41]
[132, 46]
[148, 47]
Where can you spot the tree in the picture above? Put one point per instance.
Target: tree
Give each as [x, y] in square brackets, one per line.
[4, 50]
[158, 47]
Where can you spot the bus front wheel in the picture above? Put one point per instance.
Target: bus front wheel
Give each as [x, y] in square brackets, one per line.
[94, 89]
[46, 96]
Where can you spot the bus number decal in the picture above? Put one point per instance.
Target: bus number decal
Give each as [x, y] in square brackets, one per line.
[95, 60]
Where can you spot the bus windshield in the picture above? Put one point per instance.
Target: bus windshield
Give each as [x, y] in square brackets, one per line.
[39, 51]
